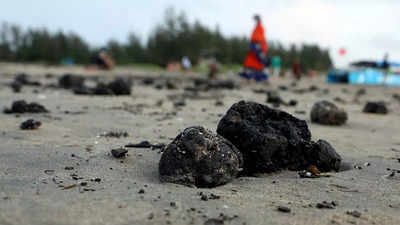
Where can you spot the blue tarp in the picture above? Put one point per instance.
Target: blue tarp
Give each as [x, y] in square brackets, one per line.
[338, 76]
[365, 72]
[373, 77]
[369, 76]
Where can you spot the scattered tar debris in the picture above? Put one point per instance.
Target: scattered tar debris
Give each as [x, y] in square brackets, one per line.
[396, 96]
[16, 87]
[339, 100]
[324, 112]
[206, 197]
[22, 107]
[221, 219]
[375, 107]
[361, 92]
[219, 103]
[148, 81]
[146, 144]
[326, 205]
[70, 81]
[354, 213]
[274, 97]
[25, 79]
[284, 209]
[313, 88]
[115, 134]
[358, 167]
[292, 102]
[119, 86]
[283, 87]
[214, 221]
[142, 144]
[30, 124]
[119, 152]
[179, 103]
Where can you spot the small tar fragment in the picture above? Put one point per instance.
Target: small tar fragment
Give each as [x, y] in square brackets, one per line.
[30, 124]
[354, 213]
[284, 209]
[119, 152]
[326, 205]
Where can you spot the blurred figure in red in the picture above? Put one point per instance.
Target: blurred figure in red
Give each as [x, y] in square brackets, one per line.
[296, 69]
[256, 58]
[212, 69]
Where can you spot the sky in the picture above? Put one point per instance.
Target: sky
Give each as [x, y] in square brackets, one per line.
[367, 29]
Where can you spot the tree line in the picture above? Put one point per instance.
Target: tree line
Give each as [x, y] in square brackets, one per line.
[169, 41]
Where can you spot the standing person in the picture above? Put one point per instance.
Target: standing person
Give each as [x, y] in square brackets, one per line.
[276, 65]
[256, 58]
[212, 69]
[385, 67]
[385, 63]
[186, 64]
[104, 60]
[296, 69]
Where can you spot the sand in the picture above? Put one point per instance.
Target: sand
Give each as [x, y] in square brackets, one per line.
[37, 188]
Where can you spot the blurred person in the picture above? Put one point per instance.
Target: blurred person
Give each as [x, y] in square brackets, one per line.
[385, 67]
[296, 69]
[256, 59]
[174, 66]
[186, 64]
[385, 64]
[104, 60]
[212, 69]
[276, 65]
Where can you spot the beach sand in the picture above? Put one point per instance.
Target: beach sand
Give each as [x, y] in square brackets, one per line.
[37, 188]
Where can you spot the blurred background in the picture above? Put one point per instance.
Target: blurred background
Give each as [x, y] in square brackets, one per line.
[152, 33]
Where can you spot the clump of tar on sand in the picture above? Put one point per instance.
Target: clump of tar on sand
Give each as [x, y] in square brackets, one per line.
[327, 113]
[201, 158]
[119, 86]
[71, 81]
[22, 106]
[376, 107]
[271, 140]
[30, 124]
[252, 138]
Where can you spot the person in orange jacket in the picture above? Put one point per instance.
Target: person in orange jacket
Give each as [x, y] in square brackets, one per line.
[256, 58]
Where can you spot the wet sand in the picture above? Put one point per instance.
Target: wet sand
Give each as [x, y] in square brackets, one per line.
[37, 187]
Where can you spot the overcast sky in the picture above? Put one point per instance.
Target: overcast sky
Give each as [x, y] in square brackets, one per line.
[366, 28]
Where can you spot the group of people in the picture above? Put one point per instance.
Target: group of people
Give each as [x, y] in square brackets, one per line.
[254, 64]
